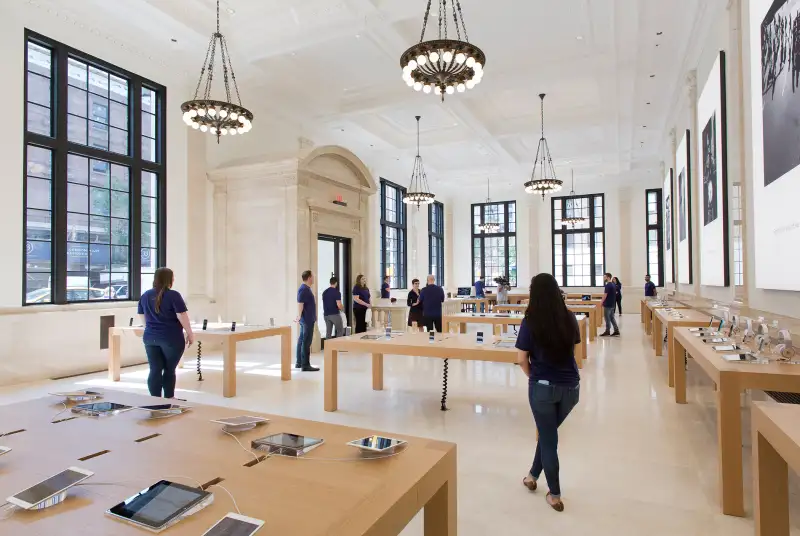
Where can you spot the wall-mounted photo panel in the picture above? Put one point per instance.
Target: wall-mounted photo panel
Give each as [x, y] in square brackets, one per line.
[669, 251]
[713, 186]
[683, 165]
[775, 90]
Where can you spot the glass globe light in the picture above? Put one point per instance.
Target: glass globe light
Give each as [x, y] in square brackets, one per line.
[470, 61]
[193, 113]
[187, 118]
[212, 112]
[478, 67]
[421, 59]
[434, 56]
[477, 79]
[426, 88]
[223, 131]
[232, 131]
[203, 128]
[437, 90]
[461, 87]
[242, 119]
[450, 90]
[412, 65]
[409, 82]
[223, 113]
[195, 126]
[201, 112]
[406, 69]
[470, 84]
[460, 58]
[234, 116]
[447, 56]
[417, 86]
[240, 130]
[213, 130]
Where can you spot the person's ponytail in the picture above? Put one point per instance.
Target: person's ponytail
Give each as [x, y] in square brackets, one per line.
[162, 280]
[159, 297]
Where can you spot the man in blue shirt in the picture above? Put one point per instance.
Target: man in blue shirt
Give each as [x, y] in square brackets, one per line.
[385, 294]
[306, 318]
[609, 307]
[332, 308]
[649, 288]
[479, 286]
[432, 298]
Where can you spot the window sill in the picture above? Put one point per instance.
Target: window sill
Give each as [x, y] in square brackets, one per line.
[50, 308]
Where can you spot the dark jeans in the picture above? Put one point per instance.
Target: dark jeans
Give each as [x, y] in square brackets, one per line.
[550, 405]
[163, 358]
[361, 319]
[432, 322]
[619, 302]
[608, 314]
[303, 358]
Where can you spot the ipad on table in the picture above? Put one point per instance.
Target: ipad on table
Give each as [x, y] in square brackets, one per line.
[159, 506]
[377, 443]
[235, 525]
[240, 420]
[49, 488]
[100, 409]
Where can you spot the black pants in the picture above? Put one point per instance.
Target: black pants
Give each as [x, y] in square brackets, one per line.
[163, 358]
[432, 322]
[550, 405]
[619, 302]
[361, 319]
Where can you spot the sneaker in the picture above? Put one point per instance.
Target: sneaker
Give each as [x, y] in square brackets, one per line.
[605, 334]
[615, 334]
[310, 369]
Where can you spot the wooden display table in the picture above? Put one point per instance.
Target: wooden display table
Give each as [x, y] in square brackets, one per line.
[356, 497]
[731, 379]
[776, 447]
[580, 295]
[476, 304]
[595, 316]
[648, 306]
[663, 318]
[383, 308]
[511, 308]
[215, 333]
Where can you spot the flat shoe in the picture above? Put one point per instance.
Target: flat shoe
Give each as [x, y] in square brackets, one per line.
[558, 507]
[530, 484]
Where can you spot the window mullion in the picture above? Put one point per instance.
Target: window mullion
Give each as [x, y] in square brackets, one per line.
[135, 242]
[58, 283]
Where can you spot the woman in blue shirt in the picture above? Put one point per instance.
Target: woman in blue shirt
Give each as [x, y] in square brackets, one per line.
[165, 318]
[361, 303]
[546, 354]
[618, 286]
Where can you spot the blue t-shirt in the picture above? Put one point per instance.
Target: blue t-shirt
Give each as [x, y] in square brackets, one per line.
[329, 299]
[541, 368]
[306, 297]
[385, 291]
[649, 289]
[611, 299]
[479, 289]
[363, 293]
[162, 326]
[431, 297]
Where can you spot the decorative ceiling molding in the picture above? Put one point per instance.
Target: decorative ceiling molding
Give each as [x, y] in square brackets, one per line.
[277, 171]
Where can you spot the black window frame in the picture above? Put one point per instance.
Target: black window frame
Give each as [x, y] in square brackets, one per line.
[436, 235]
[60, 147]
[658, 227]
[506, 235]
[564, 231]
[401, 227]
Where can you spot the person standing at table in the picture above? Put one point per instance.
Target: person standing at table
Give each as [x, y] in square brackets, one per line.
[306, 318]
[414, 306]
[361, 302]
[165, 318]
[479, 289]
[332, 309]
[431, 298]
[618, 286]
[386, 288]
[546, 354]
[650, 290]
[609, 307]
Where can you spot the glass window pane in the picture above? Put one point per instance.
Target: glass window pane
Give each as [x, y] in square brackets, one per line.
[120, 179]
[120, 202]
[148, 100]
[118, 141]
[37, 256]
[100, 230]
[77, 227]
[76, 101]
[98, 135]
[99, 258]
[148, 149]
[148, 125]
[39, 162]
[149, 209]
[149, 184]
[119, 89]
[38, 224]
[118, 115]
[76, 73]
[76, 129]
[98, 108]
[98, 81]
[39, 89]
[39, 59]
[77, 169]
[39, 193]
[120, 231]
[100, 201]
[37, 288]
[39, 120]
[119, 258]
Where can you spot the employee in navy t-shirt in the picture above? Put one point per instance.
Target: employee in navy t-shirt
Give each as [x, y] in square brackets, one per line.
[165, 318]
[306, 318]
[546, 354]
[649, 288]
[361, 302]
[332, 309]
[385, 294]
[432, 298]
[609, 307]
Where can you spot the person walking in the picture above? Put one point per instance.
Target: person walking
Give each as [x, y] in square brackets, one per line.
[609, 307]
[431, 298]
[332, 309]
[386, 288]
[546, 354]
[618, 286]
[306, 318]
[414, 306]
[361, 302]
[650, 290]
[167, 332]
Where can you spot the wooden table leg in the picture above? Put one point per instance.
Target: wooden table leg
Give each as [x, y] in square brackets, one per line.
[658, 344]
[584, 336]
[770, 488]
[114, 359]
[441, 510]
[580, 356]
[672, 358]
[642, 307]
[331, 379]
[677, 373]
[462, 327]
[286, 355]
[729, 432]
[229, 368]
[591, 325]
[648, 322]
[377, 372]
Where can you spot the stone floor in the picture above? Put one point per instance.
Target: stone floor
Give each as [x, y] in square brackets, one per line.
[632, 461]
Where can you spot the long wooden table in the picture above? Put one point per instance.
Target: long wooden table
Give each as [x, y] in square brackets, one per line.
[589, 308]
[128, 452]
[215, 333]
[648, 306]
[776, 448]
[580, 295]
[664, 317]
[731, 379]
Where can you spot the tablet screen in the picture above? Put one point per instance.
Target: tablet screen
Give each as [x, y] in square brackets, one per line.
[51, 486]
[102, 406]
[377, 442]
[244, 419]
[292, 441]
[230, 526]
[158, 504]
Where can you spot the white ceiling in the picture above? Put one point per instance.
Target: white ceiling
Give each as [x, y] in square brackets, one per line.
[332, 67]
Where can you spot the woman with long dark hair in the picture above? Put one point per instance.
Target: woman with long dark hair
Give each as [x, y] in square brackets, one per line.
[361, 302]
[618, 286]
[165, 319]
[546, 354]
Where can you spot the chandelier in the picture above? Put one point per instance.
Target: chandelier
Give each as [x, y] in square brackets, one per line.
[418, 192]
[573, 214]
[443, 65]
[217, 117]
[544, 182]
[488, 227]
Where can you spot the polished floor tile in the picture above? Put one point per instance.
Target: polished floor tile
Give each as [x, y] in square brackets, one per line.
[632, 461]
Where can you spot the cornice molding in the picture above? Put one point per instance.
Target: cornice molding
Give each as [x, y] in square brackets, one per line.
[278, 171]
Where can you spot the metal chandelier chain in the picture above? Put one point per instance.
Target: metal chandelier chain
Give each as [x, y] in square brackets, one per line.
[458, 20]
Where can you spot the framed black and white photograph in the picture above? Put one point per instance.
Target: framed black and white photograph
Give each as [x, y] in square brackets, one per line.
[772, 118]
[682, 223]
[713, 183]
[668, 195]
[683, 163]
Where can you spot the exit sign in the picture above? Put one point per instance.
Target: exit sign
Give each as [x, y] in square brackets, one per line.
[339, 201]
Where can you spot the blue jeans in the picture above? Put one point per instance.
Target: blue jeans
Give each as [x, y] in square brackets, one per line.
[608, 314]
[303, 357]
[550, 405]
[163, 357]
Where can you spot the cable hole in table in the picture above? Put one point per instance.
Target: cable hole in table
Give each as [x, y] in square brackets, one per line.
[95, 455]
[212, 483]
[145, 438]
[251, 463]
